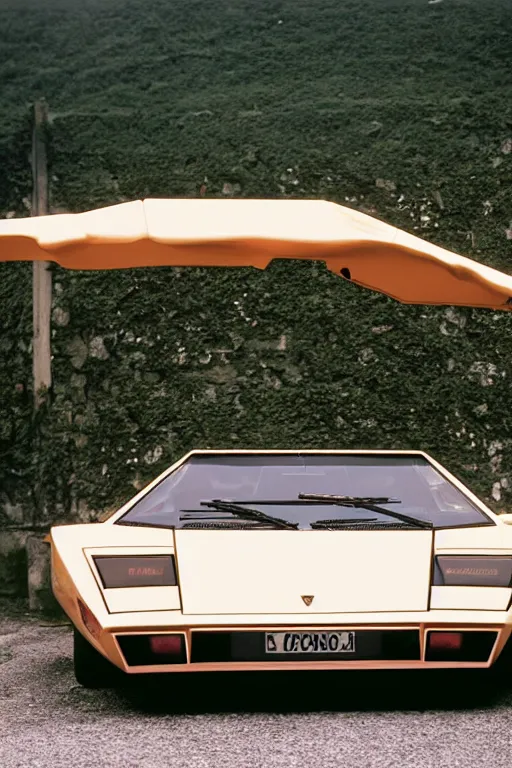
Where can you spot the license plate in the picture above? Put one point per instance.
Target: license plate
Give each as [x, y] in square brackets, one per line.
[310, 642]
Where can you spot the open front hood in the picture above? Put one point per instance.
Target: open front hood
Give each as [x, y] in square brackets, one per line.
[243, 233]
[230, 572]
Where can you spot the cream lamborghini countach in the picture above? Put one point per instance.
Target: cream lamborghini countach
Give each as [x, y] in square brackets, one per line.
[272, 560]
[250, 560]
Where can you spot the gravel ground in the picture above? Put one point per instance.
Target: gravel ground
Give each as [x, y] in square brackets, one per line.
[281, 719]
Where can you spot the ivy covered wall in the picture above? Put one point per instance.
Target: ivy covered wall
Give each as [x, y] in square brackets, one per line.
[413, 127]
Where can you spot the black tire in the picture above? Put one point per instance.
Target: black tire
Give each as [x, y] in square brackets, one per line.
[92, 670]
[502, 668]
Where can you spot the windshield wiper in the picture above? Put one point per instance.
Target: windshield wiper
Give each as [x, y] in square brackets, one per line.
[243, 513]
[360, 524]
[339, 521]
[349, 501]
[228, 525]
[370, 503]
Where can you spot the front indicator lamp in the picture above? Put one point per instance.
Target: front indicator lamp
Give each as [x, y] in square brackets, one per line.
[473, 571]
[90, 621]
[166, 645]
[150, 650]
[473, 646]
[445, 641]
[136, 570]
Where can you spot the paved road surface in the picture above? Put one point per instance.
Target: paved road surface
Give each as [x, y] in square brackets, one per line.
[356, 719]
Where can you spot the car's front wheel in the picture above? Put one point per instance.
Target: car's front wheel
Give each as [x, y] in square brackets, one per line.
[92, 670]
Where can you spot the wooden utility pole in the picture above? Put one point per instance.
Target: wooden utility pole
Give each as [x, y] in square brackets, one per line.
[42, 276]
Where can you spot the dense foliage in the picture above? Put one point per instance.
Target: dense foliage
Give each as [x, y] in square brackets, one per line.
[400, 108]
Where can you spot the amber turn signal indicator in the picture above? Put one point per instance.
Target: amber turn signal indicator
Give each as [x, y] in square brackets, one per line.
[90, 621]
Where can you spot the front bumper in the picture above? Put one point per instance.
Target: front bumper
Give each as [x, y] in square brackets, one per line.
[232, 644]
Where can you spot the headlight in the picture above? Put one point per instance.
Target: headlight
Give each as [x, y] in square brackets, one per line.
[464, 571]
[136, 571]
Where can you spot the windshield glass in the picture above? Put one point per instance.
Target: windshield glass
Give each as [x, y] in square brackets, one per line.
[254, 479]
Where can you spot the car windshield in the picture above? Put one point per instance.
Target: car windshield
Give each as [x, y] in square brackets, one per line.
[272, 484]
